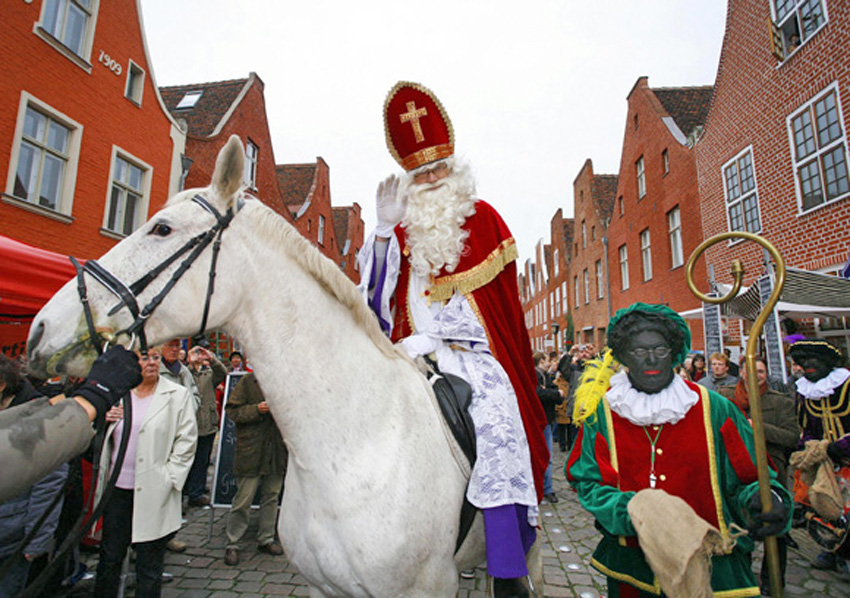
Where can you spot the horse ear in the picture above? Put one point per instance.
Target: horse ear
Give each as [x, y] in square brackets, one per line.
[229, 169]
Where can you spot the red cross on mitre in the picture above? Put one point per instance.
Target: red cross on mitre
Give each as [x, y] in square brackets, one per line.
[417, 127]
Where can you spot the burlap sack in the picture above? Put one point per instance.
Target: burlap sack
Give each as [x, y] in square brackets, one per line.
[816, 471]
[677, 543]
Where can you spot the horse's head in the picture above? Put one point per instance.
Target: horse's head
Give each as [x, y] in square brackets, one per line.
[60, 342]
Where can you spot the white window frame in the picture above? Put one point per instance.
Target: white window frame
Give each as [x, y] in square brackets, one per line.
[83, 57]
[624, 267]
[788, 21]
[674, 231]
[252, 158]
[565, 296]
[586, 282]
[742, 201]
[576, 291]
[65, 201]
[321, 230]
[144, 200]
[640, 172]
[665, 162]
[135, 92]
[600, 287]
[583, 234]
[838, 146]
[555, 261]
[558, 311]
[646, 254]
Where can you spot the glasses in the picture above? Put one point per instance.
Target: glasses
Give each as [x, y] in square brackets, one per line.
[658, 352]
[438, 170]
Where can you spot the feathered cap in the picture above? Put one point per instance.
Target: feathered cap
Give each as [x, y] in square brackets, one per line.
[661, 311]
[817, 347]
[417, 127]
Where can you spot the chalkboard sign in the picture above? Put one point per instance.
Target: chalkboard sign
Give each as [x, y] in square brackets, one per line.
[713, 327]
[773, 340]
[224, 482]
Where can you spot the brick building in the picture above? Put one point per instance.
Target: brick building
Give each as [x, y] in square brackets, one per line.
[211, 113]
[593, 197]
[306, 191]
[89, 149]
[655, 224]
[773, 158]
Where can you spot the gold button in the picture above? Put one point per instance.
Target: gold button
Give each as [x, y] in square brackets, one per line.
[659, 451]
[662, 477]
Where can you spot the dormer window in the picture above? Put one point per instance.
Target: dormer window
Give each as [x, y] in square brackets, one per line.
[189, 100]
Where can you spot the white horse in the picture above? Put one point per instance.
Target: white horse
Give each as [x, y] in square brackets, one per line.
[374, 486]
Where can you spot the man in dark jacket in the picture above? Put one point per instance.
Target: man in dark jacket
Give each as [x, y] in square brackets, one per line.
[259, 464]
[550, 396]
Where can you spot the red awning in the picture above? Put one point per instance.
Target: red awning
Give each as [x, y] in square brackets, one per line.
[29, 276]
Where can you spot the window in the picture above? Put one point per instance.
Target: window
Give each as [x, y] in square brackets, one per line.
[189, 100]
[68, 21]
[552, 304]
[739, 184]
[583, 235]
[558, 301]
[576, 292]
[797, 21]
[252, 153]
[555, 261]
[126, 209]
[135, 83]
[46, 151]
[820, 152]
[624, 267]
[620, 207]
[646, 254]
[665, 162]
[321, 230]
[674, 228]
[585, 279]
[600, 287]
[641, 178]
[592, 233]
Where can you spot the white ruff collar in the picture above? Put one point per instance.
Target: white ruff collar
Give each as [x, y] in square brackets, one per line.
[667, 406]
[823, 387]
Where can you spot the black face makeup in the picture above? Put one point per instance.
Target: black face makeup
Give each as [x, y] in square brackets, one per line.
[650, 361]
[814, 367]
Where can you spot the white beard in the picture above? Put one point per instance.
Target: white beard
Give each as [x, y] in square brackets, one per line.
[433, 220]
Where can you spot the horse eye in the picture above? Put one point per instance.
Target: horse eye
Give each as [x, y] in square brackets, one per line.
[162, 230]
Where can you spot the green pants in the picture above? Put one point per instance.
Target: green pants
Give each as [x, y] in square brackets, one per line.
[269, 487]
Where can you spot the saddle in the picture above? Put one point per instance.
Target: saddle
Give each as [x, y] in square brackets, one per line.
[454, 396]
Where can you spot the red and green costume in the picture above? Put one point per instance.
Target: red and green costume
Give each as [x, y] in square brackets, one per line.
[706, 459]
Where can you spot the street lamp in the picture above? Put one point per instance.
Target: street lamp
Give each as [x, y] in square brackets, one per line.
[555, 328]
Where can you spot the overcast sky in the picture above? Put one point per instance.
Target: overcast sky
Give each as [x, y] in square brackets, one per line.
[533, 88]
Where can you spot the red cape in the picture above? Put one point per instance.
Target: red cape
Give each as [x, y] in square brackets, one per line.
[486, 276]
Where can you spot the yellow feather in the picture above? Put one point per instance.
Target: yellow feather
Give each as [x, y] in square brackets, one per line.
[593, 384]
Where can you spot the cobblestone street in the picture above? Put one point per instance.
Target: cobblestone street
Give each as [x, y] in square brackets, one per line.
[568, 534]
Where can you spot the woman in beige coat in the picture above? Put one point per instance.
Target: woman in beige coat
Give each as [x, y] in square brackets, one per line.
[148, 489]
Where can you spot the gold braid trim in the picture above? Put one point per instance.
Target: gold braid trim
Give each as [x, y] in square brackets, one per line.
[476, 277]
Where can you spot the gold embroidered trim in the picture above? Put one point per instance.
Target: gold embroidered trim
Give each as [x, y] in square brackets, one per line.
[653, 589]
[424, 156]
[712, 463]
[476, 277]
[477, 310]
[738, 593]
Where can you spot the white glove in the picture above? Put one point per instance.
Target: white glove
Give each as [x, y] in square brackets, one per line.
[419, 344]
[390, 206]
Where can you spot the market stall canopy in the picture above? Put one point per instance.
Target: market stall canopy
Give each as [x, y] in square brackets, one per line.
[29, 276]
[805, 295]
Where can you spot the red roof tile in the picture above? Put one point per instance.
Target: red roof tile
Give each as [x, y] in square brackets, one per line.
[211, 107]
[687, 105]
[295, 182]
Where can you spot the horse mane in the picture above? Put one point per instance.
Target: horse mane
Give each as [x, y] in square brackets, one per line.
[322, 269]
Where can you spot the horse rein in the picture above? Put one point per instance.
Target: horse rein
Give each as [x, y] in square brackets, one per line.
[127, 295]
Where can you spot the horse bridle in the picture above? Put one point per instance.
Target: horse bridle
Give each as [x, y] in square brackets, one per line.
[127, 295]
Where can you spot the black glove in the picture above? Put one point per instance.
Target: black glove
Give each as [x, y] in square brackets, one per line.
[112, 375]
[836, 453]
[767, 524]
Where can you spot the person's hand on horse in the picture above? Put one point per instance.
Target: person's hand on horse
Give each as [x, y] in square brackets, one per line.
[112, 375]
[390, 206]
[767, 524]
